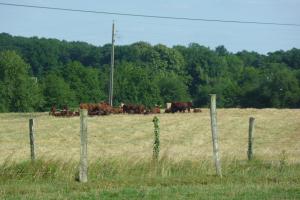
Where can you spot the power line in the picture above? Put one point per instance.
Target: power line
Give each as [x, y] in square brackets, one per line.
[150, 16]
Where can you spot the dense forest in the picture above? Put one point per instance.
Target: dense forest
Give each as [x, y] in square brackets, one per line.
[36, 73]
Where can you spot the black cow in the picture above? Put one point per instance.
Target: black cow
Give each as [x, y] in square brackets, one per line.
[133, 109]
[181, 106]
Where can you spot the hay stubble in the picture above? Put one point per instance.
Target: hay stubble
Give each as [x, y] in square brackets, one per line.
[183, 136]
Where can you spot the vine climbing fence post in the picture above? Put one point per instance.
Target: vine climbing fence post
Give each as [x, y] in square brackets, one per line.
[31, 138]
[251, 138]
[213, 117]
[156, 144]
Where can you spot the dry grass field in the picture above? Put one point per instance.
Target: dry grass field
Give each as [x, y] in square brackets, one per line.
[184, 136]
[120, 150]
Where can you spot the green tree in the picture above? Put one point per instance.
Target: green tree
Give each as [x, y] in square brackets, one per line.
[133, 84]
[221, 50]
[226, 89]
[19, 91]
[57, 92]
[84, 82]
[280, 87]
[250, 84]
[3, 99]
[170, 60]
[172, 88]
[246, 79]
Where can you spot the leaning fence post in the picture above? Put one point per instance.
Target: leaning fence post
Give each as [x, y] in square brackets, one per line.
[156, 144]
[31, 139]
[83, 168]
[213, 116]
[250, 138]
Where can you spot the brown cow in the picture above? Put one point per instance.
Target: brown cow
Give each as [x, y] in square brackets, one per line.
[65, 112]
[53, 110]
[155, 110]
[84, 106]
[133, 109]
[117, 110]
[91, 108]
[102, 108]
[197, 110]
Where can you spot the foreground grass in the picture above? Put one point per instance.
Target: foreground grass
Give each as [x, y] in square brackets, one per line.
[139, 179]
[120, 147]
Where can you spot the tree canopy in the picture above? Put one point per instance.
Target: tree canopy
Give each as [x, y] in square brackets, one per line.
[37, 73]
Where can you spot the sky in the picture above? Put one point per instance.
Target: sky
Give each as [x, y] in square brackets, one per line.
[96, 28]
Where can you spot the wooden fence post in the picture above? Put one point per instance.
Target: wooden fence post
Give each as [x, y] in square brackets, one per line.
[31, 139]
[250, 138]
[83, 168]
[213, 116]
[156, 144]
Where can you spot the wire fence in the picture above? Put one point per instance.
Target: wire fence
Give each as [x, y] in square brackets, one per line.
[127, 136]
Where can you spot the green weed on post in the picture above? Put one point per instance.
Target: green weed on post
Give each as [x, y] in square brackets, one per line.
[156, 144]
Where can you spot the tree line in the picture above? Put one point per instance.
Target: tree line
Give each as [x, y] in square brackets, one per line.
[37, 73]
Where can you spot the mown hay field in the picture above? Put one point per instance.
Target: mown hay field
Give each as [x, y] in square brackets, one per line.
[184, 136]
[120, 151]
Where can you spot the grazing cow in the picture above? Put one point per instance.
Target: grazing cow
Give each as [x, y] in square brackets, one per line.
[84, 106]
[181, 106]
[197, 110]
[168, 110]
[117, 110]
[65, 112]
[155, 110]
[102, 108]
[53, 110]
[133, 109]
[91, 108]
[147, 112]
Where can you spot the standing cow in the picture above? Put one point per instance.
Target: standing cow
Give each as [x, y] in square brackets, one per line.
[181, 106]
[102, 108]
[133, 109]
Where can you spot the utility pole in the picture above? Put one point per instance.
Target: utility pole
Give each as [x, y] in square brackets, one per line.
[111, 82]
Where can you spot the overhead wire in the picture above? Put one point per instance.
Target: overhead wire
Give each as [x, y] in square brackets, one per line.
[150, 16]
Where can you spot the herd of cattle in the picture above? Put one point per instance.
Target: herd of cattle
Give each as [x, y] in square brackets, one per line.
[104, 108]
